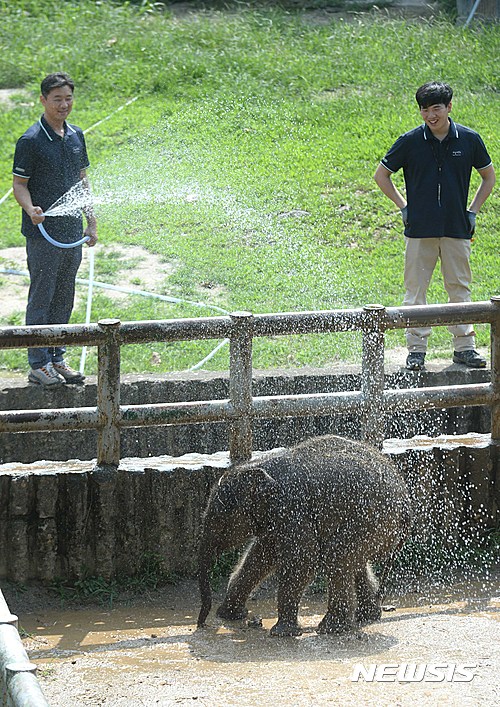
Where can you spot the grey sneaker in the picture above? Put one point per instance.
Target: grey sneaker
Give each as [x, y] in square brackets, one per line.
[69, 374]
[46, 376]
[469, 358]
[415, 361]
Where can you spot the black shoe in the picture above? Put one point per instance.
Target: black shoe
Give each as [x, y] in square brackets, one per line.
[469, 358]
[415, 361]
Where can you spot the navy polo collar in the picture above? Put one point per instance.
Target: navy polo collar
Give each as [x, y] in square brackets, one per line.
[452, 132]
[50, 133]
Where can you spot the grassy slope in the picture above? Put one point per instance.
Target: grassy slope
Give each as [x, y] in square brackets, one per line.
[258, 113]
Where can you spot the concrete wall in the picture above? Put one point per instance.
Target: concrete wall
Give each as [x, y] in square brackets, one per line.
[209, 438]
[64, 519]
[69, 521]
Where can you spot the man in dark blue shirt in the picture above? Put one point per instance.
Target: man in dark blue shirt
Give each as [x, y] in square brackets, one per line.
[437, 160]
[50, 159]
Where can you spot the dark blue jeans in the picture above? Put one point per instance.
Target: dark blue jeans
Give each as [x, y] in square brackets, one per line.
[52, 291]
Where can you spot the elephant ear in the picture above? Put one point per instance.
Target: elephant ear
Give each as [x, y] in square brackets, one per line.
[260, 483]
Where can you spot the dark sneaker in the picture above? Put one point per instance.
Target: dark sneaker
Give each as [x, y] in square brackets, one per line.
[69, 374]
[469, 358]
[46, 376]
[415, 360]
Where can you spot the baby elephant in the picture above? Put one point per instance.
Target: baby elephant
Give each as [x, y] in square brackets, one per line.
[329, 505]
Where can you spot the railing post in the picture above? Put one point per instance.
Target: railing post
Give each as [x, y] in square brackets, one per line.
[240, 387]
[495, 372]
[372, 376]
[108, 395]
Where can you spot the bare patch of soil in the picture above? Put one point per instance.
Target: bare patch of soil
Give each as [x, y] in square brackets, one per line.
[138, 269]
[7, 96]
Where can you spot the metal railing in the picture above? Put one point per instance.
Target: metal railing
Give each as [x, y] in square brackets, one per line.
[19, 686]
[372, 402]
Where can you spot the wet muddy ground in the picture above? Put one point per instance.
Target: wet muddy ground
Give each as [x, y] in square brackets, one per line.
[147, 651]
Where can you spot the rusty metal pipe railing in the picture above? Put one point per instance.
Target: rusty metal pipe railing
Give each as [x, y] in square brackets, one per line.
[280, 324]
[372, 402]
[159, 414]
[176, 330]
[51, 335]
[19, 686]
[263, 407]
[495, 370]
[438, 397]
[49, 419]
[441, 314]
[287, 323]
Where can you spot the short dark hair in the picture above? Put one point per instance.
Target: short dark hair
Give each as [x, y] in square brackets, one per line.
[56, 81]
[432, 93]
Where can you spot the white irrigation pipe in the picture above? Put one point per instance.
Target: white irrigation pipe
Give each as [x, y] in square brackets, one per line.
[210, 355]
[131, 291]
[472, 13]
[89, 307]
[127, 290]
[6, 196]
[103, 120]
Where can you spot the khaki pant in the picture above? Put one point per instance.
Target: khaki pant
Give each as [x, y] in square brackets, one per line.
[421, 256]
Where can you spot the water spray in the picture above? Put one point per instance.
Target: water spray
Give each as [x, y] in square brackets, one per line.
[89, 307]
[82, 240]
[58, 244]
[61, 208]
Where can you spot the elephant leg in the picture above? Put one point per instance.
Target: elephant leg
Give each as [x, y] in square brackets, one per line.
[256, 564]
[340, 615]
[292, 583]
[368, 609]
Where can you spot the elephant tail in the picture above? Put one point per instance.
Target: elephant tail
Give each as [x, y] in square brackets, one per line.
[206, 602]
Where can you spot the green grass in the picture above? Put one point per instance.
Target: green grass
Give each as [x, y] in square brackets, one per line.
[151, 576]
[261, 113]
[439, 559]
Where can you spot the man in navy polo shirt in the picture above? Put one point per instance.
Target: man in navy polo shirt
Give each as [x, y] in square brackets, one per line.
[50, 158]
[437, 160]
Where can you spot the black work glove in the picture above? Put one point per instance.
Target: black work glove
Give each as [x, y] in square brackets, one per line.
[404, 215]
[472, 221]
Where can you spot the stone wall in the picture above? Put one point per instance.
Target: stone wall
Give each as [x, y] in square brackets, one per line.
[209, 438]
[69, 521]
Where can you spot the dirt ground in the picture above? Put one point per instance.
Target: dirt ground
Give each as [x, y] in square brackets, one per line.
[148, 651]
[148, 269]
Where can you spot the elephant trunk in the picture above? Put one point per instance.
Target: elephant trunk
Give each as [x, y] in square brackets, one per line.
[206, 558]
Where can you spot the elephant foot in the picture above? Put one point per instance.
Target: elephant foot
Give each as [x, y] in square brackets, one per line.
[332, 625]
[232, 613]
[282, 628]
